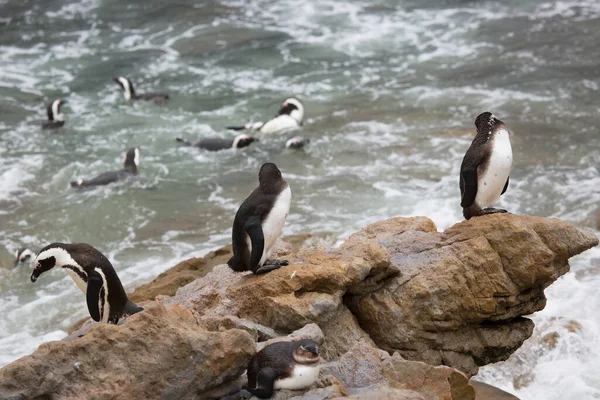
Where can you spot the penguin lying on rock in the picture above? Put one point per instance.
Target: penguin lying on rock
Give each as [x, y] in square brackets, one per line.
[93, 274]
[283, 365]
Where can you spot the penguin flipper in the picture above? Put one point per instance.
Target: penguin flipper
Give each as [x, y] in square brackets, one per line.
[265, 381]
[94, 285]
[253, 228]
[468, 185]
[505, 186]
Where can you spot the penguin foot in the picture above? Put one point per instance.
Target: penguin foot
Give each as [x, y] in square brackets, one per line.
[492, 210]
[281, 263]
[266, 268]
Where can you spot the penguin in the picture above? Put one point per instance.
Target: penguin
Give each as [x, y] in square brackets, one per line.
[55, 117]
[283, 365]
[93, 274]
[296, 143]
[289, 116]
[259, 221]
[215, 144]
[130, 94]
[23, 256]
[485, 169]
[130, 168]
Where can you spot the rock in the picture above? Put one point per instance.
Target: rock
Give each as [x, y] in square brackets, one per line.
[460, 293]
[483, 391]
[387, 393]
[454, 298]
[156, 353]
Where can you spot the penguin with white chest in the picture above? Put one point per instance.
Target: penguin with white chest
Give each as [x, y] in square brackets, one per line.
[259, 222]
[130, 95]
[217, 144]
[93, 274]
[130, 168]
[283, 365]
[485, 169]
[289, 116]
[55, 117]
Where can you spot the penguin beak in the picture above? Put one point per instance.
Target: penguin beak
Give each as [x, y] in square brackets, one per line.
[35, 274]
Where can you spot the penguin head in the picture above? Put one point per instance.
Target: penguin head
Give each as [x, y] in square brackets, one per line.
[294, 108]
[127, 87]
[486, 123]
[242, 141]
[269, 174]
[23, 256]
[296, 143]
[132, 160]
[305, 351]
[51, 256]
[53, 110]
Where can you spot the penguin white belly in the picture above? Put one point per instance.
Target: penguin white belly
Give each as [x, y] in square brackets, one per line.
[77, 279]
[491, 182]
[302, 377]
[103, 304]
[273, 224]
[279, 123]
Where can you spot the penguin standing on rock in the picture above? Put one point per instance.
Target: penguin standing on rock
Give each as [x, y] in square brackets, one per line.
[283, 365]
[259, 221]
[55, 117]
[216, 144]
[485, 169]
[130, 168]
[95, 276]
[289, 116]
[130, 94]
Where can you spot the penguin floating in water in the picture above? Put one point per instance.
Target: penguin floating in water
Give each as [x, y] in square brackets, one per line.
[93, 274]
[259, 221]
[23, 256]
[55, 117]
[216, 144]
[130, 168]
[485, 169]
[289, 116]
[130, 94]
[283, 365]
[296, 143]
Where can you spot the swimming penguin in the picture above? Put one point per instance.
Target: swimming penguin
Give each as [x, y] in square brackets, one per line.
[283, 365]
[215, 144]
[23, 256]
[93, 274]
[296, 143]
[130, 94]
[485, 169]
[259, 221]
[55, 117]
[290, 115]
[130, 168]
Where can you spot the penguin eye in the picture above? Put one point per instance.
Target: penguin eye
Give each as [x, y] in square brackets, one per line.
[25, 257]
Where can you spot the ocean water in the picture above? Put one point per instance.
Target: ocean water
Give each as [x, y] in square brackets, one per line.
[391, 90]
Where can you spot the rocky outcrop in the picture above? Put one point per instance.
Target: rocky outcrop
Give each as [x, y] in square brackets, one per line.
[446, 298]
[399, 308]
[158, 353]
